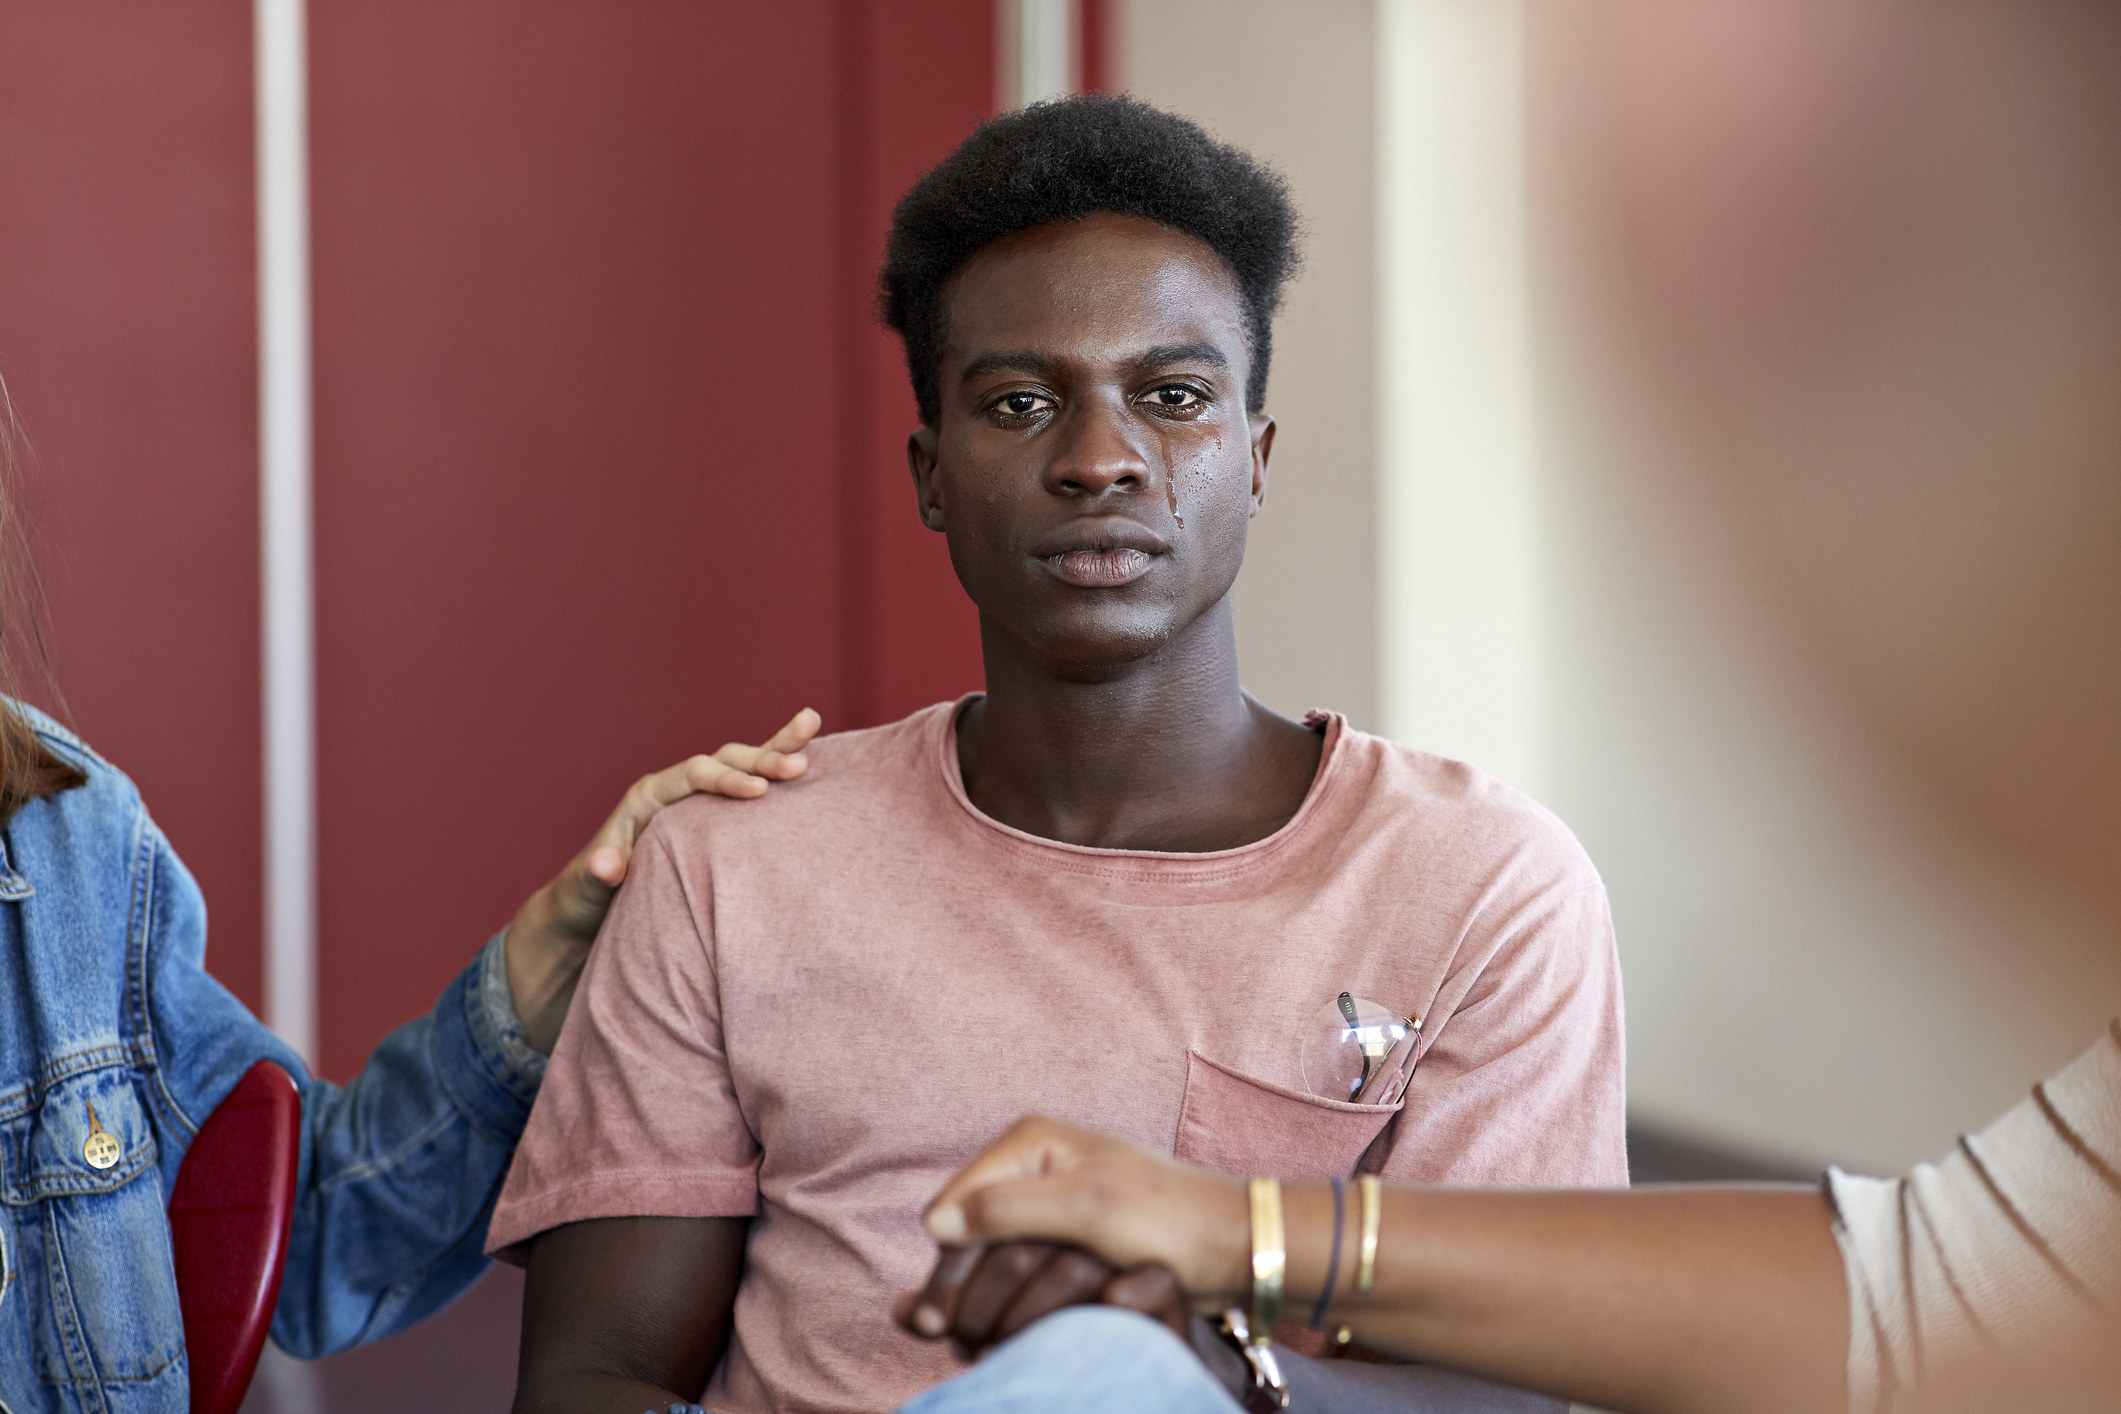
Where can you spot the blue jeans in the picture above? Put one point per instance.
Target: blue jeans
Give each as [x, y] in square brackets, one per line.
[1107, 1361]
[1097, 1358]
[1086, 1358]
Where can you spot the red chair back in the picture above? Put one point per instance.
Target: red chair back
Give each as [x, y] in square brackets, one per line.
[229, 1220]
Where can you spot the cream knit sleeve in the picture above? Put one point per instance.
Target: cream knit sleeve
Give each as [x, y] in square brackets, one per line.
[2020, 1228]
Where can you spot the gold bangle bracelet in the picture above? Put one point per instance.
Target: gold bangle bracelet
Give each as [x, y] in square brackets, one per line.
[1372, 1219]
[1270, 1258]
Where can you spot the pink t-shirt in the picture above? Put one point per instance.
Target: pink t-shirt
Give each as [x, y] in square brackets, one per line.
[813, 1008]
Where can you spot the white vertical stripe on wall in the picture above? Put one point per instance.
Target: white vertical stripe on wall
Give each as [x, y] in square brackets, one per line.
[1459, 555]
[1038, 39]
[284, 445]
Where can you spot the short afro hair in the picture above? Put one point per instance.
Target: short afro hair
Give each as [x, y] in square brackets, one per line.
[1073, 158]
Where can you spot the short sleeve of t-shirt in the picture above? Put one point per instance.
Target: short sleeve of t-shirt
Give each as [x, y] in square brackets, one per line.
[638, 1117]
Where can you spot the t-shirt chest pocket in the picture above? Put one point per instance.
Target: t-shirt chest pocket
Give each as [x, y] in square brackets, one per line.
[1239, 1125]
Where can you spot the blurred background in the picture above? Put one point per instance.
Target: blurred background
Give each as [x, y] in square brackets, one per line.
[448, 412]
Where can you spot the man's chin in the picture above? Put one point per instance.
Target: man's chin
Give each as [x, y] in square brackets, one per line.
[1105, 651]
[1092, 636]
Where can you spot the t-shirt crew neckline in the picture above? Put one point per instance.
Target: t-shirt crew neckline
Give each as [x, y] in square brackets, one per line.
[1145, 863]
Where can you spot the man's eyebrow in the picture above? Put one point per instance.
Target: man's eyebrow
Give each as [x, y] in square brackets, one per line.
[1009, 361]
[1164, 355]
[1040, 365]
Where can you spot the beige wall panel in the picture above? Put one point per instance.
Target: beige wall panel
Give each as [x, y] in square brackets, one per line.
[1295, 84]
[1811, 972]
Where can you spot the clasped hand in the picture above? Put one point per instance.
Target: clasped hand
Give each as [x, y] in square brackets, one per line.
[1052, 1216]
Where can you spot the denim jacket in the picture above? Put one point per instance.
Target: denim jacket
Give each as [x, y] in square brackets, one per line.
[105, 1003]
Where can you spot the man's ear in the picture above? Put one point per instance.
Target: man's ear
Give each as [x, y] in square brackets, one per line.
[1262, 454]
[927, 487]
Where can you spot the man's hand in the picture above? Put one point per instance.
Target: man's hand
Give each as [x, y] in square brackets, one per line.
[981, 1296]
[549, 939]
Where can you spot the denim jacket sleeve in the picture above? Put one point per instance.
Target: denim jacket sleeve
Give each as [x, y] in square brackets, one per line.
[400, 1166]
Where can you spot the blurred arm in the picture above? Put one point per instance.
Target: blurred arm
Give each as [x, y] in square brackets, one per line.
[1652, 1300]
[1648, 1300]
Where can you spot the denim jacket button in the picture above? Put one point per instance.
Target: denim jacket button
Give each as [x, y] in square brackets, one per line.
[99, 1149]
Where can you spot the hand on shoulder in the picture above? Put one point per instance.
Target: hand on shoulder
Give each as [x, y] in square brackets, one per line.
[549, 939]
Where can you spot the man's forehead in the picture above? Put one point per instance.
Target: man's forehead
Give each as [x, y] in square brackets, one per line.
[1116, 282]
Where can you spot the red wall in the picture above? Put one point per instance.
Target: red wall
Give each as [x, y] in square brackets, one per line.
[609, 456]
[909, 93]
[128, 335]
[1094, 47]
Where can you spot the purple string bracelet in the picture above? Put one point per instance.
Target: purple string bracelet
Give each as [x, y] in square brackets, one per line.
[1325, 1294]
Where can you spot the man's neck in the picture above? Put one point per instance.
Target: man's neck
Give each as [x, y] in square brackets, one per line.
[1167, 754]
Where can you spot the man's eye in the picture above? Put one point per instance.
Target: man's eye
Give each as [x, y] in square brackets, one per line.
[1020, 404]
[1176, 396]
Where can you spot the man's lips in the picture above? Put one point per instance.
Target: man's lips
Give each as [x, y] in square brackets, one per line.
[1100, 569]
[1101, 552]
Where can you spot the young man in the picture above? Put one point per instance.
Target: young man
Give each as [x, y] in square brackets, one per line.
[1114, 888]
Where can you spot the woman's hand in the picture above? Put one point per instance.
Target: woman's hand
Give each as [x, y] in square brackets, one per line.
[1052, 1182]
[549, 939]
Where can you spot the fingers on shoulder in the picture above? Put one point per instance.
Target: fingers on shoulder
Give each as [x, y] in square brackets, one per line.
[718, 774]
[762, 763]
[797, 734]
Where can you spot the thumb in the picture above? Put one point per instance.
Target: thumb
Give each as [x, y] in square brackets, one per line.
[582, 894]
[606, 867]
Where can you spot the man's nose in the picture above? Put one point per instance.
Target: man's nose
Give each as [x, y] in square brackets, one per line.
[1096, 450]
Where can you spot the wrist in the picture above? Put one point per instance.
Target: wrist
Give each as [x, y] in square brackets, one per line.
[1225, 1268]
[542, 970]
[1307, 1214]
